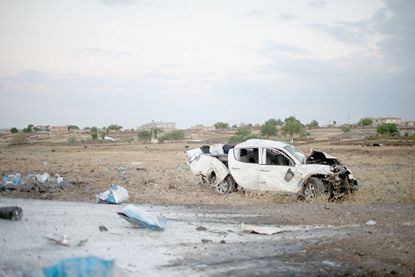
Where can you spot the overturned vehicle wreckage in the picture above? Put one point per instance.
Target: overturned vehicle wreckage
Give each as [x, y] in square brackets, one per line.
[267, 165]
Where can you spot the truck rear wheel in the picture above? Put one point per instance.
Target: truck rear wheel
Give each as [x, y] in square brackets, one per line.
[225, 186]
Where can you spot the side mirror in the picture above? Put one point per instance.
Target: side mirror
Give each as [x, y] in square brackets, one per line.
[289, 175]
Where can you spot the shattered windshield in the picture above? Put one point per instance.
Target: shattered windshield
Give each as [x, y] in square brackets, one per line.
[297, 154]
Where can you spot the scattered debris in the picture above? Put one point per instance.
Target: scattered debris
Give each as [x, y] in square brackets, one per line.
[330, 263]
[138, 216]
[11, 213]
[33, 182]
[201, 228]
[81, 266]
[102, 228]
[81, 242]
[262, 230]
[61, 241]
[64, 241]
[109, 138]
[370, 223]
[206, 240]
[116, 195]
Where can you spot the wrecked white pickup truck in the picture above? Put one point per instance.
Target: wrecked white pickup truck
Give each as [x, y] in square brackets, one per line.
[267, 165]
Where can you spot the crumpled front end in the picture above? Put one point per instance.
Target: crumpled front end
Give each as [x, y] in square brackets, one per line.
[339, 183]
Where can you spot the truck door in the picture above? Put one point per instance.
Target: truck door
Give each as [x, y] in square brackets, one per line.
[277, 172]
[244, 166]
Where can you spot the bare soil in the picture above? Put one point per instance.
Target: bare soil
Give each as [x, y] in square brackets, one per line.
[158, 174]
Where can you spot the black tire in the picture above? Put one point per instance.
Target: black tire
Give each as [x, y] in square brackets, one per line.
[313, 187]
[225, 186]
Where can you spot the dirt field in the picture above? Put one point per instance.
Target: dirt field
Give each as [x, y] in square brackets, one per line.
[158, 173]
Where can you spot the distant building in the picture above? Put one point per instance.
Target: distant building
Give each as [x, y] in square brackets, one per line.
[164, 126]
[409, 123]
[57, 130]
[381, 120]
[4, 131]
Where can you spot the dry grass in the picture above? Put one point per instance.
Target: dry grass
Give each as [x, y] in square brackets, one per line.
[385, 174]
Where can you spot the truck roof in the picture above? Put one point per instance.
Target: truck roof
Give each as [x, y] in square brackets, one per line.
[261, 143]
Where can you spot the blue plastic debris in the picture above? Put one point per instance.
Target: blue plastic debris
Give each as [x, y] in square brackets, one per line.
[138, 216]
[15, 179]
[116, 195]
[80, 266]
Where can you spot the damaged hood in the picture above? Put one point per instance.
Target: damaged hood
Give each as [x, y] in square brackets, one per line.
[320, 157]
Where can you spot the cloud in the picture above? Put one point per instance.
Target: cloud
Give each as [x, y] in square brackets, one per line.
[395, 23]
[285, 16]
[317, 4]
[274, 47]
[111, 3]
[344, 32]
[101, 51]
[255, 13]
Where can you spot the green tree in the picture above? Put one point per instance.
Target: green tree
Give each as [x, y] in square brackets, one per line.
[94, 133]
[269, 128]
[292, 126]
[365, 122]
[144, 134]
[241, 134]
[28, 129]
[221, 125]
[115, 127]
[387, 129]
[279, 122]
[313, 124]
[73, 127]
[14, 130]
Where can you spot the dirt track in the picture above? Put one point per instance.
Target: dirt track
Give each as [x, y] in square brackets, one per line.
[319, 239]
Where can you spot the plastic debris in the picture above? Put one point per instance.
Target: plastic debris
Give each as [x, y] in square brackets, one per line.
[138, 216]
[81, 266]
[109, 138]
[370, 222]
[116, 195]
[42, 178]
[33, 182]
[263, 230]
[15, 179]
[61, 241]
[11, 213]
[64, 241]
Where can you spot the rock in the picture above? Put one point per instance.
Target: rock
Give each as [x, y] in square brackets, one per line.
[11, 213]
[370, 222]
[102, 228]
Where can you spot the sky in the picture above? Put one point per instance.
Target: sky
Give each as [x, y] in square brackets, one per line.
[128, 62]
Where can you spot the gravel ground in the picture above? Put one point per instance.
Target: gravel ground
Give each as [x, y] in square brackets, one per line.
[207, 240]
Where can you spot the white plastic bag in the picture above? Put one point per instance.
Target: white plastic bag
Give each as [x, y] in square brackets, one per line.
[116, 195]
